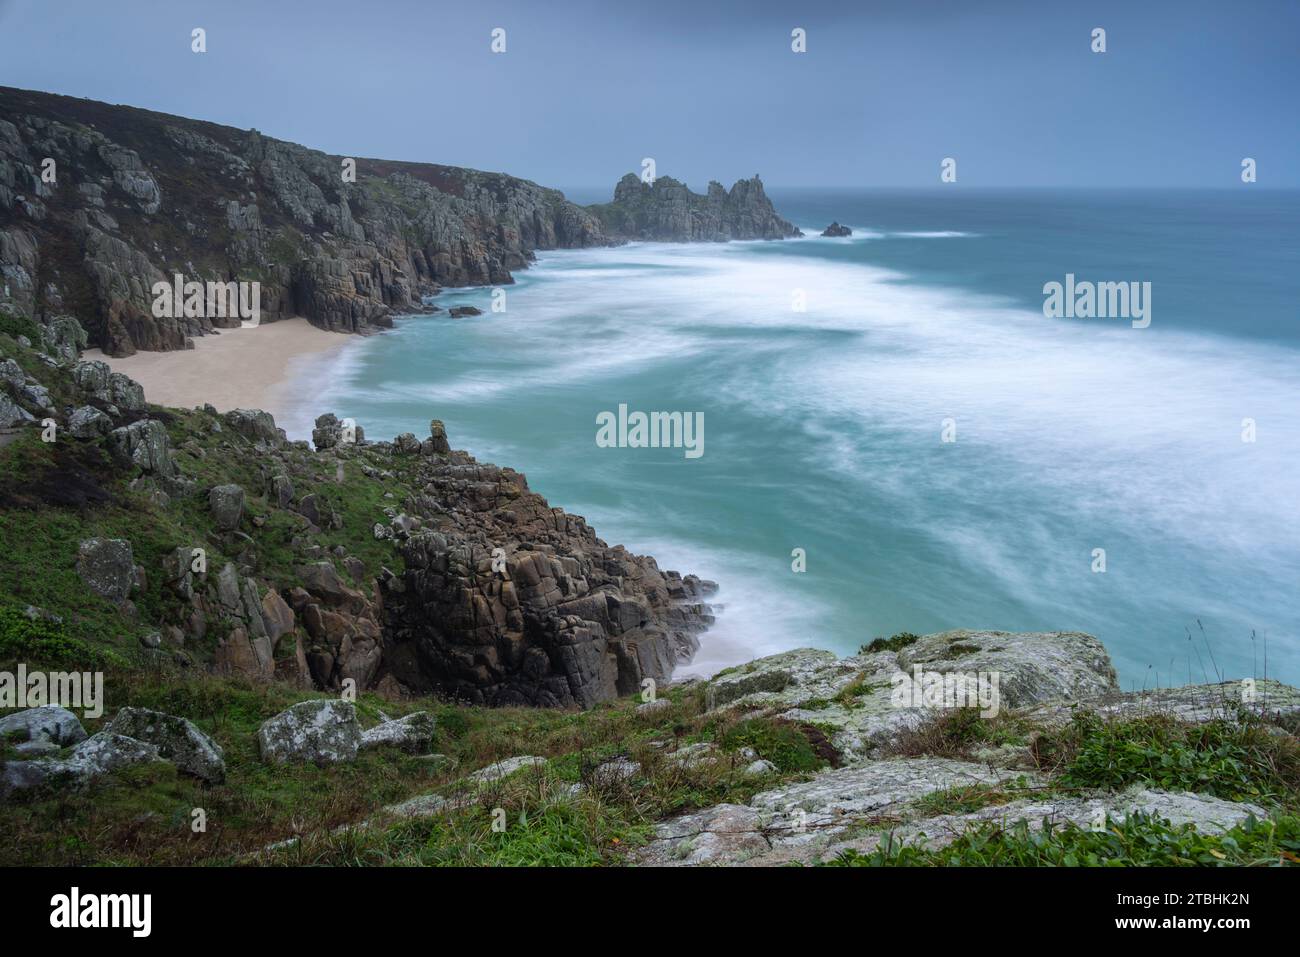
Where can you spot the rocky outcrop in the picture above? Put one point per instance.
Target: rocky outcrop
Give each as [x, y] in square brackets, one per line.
[868, 697]
[818, 820]
[1224, 701]
[503, 599]
[1045, 679]
[667, 211]
[836, 230]
[241, 206]
[506, 600]
[145, 445]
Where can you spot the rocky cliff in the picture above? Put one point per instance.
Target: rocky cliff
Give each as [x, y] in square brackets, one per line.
[403, 566]
[99, 202]
[506, 600]
[667, 211]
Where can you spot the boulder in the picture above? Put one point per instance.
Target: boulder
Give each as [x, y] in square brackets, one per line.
[500, 770]
[87, 422]
[277, 616]
[100, 754]
[107, 567]
[125, 393]
[282, 490]
[618, 771]
[37, 729]
[256, 425]
[226, 503]
[411, 733]
[322, 580]
[319, 732]
[146, 445]
[309, 509]
[330, 433]
[107, 751]
[835, 229]
[176, 739]
[12, 414]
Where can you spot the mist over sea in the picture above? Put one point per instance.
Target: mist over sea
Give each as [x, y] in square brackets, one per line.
[822, 428]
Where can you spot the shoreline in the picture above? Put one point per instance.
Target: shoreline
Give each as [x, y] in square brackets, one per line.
[244, 368]
[271, 367]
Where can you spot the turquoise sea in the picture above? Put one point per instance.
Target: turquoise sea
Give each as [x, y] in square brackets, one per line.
[823, 428]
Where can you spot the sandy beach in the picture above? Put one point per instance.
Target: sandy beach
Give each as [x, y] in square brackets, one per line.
[244, 368]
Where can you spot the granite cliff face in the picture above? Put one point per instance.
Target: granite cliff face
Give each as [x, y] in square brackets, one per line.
[99, 202]
[508, 601]
[666, 211]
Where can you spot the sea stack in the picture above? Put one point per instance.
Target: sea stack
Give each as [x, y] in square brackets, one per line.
[665, 210]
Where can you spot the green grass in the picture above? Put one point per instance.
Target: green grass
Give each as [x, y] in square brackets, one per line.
[784, 743]
[959, 733]
[1228, 759]
[536, 829]
[896, 643]
[859, 687]
[962, 800]
[1139, 841]
[13, 326]
[41, 643]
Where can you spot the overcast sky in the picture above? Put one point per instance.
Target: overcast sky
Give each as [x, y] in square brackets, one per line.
[711, 90]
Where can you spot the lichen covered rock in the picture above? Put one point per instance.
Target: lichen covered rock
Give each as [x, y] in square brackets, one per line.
[411, 733]
[319, 732]
[177, 740]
